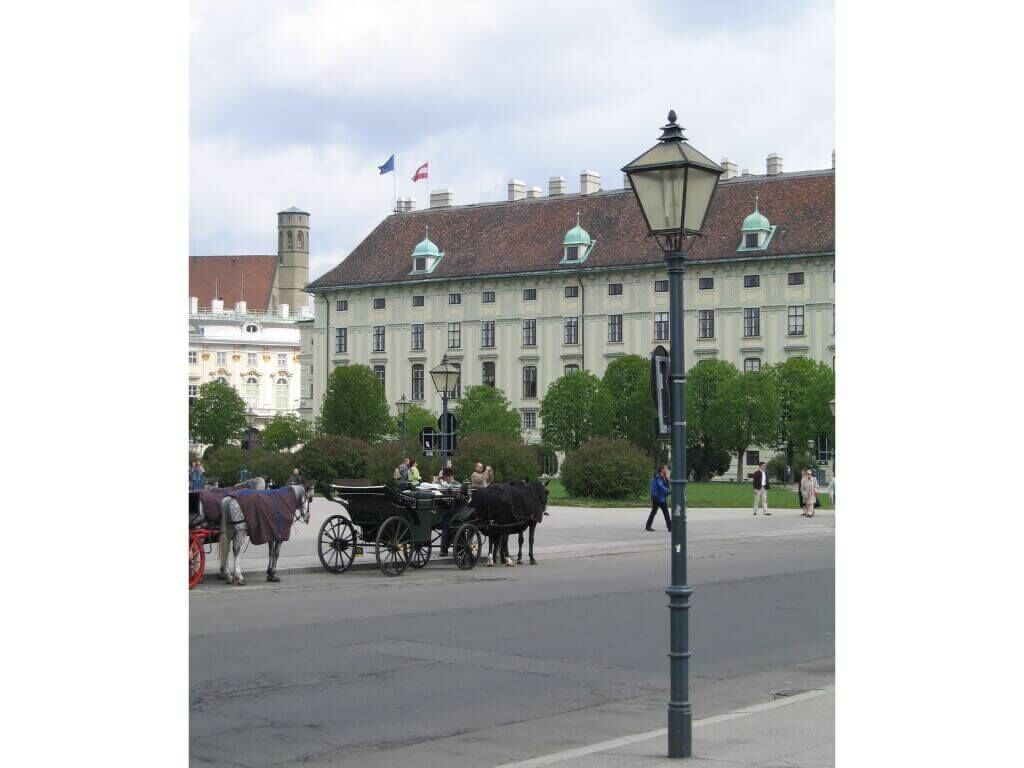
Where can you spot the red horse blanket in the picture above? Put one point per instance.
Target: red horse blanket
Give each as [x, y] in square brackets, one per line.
[269, 514]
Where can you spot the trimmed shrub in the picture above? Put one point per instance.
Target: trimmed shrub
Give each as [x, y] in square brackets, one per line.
[547, 459]
[510, 459]
[275, 467]
[382, 458]
[328, 457]
[225, 463]
[607, 468]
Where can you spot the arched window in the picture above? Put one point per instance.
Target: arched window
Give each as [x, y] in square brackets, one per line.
[300, 241]
[290, 241]
[281, 394]
[252, 390]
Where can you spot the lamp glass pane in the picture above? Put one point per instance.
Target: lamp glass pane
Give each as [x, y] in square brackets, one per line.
[661, 196]
[701, 186]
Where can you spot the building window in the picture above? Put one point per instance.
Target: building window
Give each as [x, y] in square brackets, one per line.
[751, 281]
[529, 419]
[661, 326]
[252, 390]
[529, 333]
[614, 289]
[489, 374]
[796, 321]
[750, 240]
[824, 449]
[572, 291]
[661, 286]
[378, 303]
[457, 389]
[488, 297]
[222, 358]
[454, 335]
[796, 278]
[252, 328]
[572, 368]
[417, 301]
[417, 336]
[572, 253]
[281, 394]
[572, 330]
[342, 305]
[454, 298]
[529, 382]
[614, 329]
[282, 359]
[752, 321]
[193, 392]
[341, 340]
[419, 264]
[193, 358]
[291, 241]
[751, 365]
[250, 359]
[379, 372]
[417, 382]
[706, 322]
[705, 283]
[487, 333]
[378, 338]
[529, 294]
[753, 458]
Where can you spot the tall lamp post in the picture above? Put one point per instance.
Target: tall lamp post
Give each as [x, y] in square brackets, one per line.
[250, 420]
[445, 378]
[674, 185]
[832, 407]
[403, 409]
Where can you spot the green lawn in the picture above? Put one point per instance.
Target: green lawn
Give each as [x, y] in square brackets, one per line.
[716, 494]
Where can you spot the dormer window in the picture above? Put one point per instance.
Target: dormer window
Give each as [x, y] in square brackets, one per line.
[757, 231]
[420, 264]
[252, 328]
[577, 244]
[572, 253]
[426, 256]
[750, 240]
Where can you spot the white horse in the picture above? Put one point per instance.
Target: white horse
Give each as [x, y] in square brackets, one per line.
[233, 527]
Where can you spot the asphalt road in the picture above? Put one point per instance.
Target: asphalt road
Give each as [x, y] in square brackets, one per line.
[449, 668]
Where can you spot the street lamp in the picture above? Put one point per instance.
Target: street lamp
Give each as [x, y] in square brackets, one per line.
[832, 407]
[674, 184]
[446, 379]
[403, 409]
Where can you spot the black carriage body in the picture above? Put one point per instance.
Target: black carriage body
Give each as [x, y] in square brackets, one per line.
[369, 507]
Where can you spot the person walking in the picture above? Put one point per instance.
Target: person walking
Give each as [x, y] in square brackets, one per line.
[660, 491]
[761, 489]
[414, 473]
[481, 477]
[808, 493]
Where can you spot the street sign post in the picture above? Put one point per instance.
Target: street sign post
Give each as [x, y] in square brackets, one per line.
[429, 440]
[447, 423]
[661, 393]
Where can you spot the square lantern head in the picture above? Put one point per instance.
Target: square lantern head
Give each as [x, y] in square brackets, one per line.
[445, 376]
[403, 405]
[674, 184]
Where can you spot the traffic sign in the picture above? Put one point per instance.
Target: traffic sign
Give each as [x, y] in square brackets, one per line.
[449, 426]
[661, 391]
[430, 440]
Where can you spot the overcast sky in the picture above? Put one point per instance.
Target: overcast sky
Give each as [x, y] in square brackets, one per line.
[297, 103]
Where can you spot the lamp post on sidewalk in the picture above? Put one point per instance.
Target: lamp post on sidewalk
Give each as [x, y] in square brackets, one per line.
[674, 184]
[445, 378]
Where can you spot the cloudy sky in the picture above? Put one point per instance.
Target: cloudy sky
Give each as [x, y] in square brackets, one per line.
[297, 103]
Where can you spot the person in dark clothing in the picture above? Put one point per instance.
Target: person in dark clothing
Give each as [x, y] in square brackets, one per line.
[659, 495]
[296, 478]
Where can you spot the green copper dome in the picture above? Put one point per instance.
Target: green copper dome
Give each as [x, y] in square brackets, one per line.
[426, 248]
[756, 221]
[577, 235]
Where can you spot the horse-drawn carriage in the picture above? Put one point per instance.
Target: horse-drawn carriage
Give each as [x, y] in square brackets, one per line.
[402, 527]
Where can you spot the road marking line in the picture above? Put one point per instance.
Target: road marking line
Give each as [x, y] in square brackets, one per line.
[604, 746]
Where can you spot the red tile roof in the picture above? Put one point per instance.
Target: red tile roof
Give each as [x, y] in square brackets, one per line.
[234, 278]
[526, 235]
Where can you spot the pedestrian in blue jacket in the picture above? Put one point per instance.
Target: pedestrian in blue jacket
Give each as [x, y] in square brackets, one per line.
[660, 491]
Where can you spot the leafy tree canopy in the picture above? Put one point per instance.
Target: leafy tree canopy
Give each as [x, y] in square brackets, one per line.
[804, 387]
[703, 382]
[486, 409]
[576, 409]
[217, 416]
[416, 419]
[629, 378]
[285, 431]
[355, 405]
[744, 412]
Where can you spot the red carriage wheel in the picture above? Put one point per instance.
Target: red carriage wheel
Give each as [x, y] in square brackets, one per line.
[196, 561]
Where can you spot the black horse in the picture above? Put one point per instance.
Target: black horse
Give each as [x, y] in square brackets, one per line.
[509, 508]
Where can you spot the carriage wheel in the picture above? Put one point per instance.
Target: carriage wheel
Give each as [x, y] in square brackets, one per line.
[337, 544]
[420, 554]
[394, 545]
[466, 546]
[196, 561]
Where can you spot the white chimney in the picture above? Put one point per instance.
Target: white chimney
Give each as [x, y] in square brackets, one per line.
[283, 310]
[217, 305]
[774, 164]
[532, 192]
[590, 182]
[441, 198]
[516, 190]
[410, 204]
[193, 305]
[833, 159]
[556, 185]
[240, 307]
[730, 168]
[746, 172]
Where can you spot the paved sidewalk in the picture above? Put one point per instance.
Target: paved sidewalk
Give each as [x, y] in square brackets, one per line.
[785, 733]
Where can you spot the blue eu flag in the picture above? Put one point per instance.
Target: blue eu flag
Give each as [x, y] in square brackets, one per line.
[388, 167]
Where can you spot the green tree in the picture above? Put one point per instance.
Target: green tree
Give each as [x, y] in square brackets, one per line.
[705, 446]
[217, 416]
[355, 405]
[804, 388]
[508, 457]
[744, 412]
[629, 378]
[486, 409]
[326, 458]
[416, 419]
[285, 431]
[575, 410]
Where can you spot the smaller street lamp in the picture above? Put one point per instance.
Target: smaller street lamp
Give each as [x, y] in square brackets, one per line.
[403, 409]
[446, 379]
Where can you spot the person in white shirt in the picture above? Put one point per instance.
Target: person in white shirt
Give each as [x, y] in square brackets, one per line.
[761, 489]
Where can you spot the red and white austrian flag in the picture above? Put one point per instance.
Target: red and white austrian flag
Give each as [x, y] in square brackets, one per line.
[421, 172]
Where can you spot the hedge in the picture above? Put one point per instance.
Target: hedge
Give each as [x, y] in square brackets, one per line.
[329, 457]
[509, 458]
[606, 468]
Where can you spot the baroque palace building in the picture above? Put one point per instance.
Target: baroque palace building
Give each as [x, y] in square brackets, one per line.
[521, 291]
